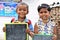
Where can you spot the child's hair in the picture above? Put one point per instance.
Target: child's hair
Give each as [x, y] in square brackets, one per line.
[44, 6]
[22, 3]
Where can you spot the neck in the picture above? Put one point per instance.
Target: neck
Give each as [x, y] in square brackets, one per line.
[21, 19]
[45, 21]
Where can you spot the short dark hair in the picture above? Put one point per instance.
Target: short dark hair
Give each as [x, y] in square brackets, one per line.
[22, 3]
[44, 6]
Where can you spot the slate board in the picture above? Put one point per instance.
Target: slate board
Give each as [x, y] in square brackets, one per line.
[16, 31]
[42, 37]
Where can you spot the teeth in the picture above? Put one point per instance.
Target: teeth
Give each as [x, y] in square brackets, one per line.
[44, 16]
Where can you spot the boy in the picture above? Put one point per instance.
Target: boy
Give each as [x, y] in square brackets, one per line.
[22, 11]
[44, 24]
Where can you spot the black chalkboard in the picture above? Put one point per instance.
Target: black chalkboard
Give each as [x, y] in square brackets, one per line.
[42, 37]
[16, 31]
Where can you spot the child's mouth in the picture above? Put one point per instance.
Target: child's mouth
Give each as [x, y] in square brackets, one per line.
[44, 17]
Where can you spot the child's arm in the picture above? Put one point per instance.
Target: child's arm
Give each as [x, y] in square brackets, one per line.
[54, 33]
[35, 29]
[4, 29]
[30, 32]
[30, 29]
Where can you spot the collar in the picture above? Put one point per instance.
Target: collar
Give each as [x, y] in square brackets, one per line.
[49, 23]
[40, 21]
[25, 20]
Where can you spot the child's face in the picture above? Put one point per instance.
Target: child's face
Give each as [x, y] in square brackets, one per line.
[22, 10]
[44, 13]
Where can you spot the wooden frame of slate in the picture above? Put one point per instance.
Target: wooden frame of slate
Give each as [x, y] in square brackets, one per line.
[16, 31]
[42, 37]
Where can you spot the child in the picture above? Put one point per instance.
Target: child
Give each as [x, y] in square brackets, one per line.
[44, 24]
[22, 11]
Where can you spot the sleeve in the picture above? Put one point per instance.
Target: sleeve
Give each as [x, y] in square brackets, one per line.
[30, 25]
[12, 20]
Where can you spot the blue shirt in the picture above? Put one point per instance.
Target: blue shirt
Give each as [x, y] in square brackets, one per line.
[29, 25]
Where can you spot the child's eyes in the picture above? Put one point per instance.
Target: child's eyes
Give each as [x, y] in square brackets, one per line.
[44, 12]
[41, 12]
[22, 9]
[19, 9]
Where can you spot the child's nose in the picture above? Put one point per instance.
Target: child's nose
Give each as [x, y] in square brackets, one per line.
[44, 13]
[22, 11]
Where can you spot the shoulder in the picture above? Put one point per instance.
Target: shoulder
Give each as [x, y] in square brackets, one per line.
[51, 23]
[29, 21]
[39, 22]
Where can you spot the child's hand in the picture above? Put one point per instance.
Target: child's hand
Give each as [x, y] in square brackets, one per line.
[54, 37]
[4, 29]
[29, 32]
